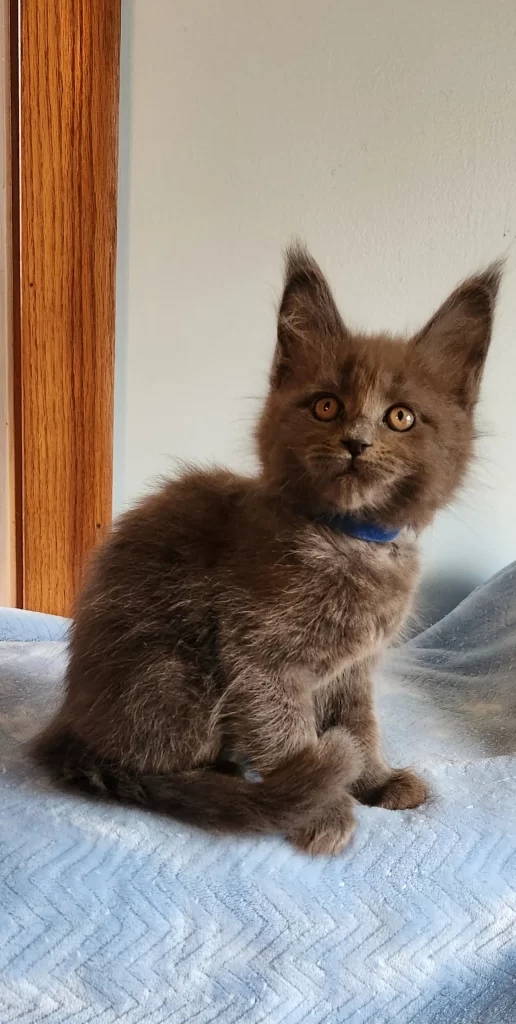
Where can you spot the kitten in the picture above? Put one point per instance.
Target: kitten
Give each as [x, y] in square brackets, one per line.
[233, 620]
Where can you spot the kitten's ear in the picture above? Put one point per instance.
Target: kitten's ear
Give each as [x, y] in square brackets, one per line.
[308, 319]
[456, 339]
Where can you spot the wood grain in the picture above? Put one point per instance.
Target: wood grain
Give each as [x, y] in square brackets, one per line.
[69, 83]
[7, 504]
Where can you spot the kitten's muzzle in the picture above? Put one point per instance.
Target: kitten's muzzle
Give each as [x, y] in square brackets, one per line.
[358, 436]
[355, 445]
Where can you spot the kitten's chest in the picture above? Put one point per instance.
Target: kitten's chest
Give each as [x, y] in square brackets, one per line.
[348, 600]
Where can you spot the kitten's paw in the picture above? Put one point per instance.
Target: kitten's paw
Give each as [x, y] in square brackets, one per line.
[403, 789]
[329, 834]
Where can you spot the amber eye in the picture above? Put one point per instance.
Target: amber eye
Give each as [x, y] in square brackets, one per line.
[326, 408]
[399, 418]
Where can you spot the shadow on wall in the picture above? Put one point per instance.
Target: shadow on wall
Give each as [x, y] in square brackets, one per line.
[439, 594]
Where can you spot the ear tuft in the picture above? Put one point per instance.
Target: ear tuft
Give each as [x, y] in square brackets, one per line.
[490, 279]
[457, 338]
[308, 318]
[300, 266]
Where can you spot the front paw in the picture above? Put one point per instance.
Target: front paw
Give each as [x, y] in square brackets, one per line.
[403, 789]
[328, 834]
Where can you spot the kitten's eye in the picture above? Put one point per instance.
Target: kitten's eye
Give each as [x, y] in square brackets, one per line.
[399, 418]
[326, 408]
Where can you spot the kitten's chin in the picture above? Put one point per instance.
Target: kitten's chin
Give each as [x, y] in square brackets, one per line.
[325, 485]
[355, 488]
[351, 493]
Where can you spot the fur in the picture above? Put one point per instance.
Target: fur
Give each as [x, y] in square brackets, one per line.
[223, 627]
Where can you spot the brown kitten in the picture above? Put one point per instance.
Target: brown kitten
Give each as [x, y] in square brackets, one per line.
[233, 619]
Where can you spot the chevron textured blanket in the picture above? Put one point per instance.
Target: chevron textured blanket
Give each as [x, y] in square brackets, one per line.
[109, 914]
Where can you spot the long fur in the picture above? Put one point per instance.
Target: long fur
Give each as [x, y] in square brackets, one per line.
[220, 801]
[225, 635]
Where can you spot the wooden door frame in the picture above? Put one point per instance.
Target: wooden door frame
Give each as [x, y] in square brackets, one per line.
[64, 142]
[7, 502]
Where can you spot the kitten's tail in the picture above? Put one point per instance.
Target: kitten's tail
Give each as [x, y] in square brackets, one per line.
[287, 799]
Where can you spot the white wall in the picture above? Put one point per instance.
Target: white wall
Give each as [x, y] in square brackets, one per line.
[383, 132]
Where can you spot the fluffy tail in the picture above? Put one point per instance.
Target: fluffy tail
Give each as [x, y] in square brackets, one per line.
[287, 798]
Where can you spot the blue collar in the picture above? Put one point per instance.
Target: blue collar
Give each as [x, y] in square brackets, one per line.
[358, 528]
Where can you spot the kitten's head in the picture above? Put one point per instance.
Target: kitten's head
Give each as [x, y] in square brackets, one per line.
[375, 426]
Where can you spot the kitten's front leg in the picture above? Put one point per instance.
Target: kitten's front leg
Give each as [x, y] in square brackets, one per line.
[264, 719]
[349, 702]
[269, 722]
[400, 790]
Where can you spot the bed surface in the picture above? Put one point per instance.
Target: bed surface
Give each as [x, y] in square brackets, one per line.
[110, 914]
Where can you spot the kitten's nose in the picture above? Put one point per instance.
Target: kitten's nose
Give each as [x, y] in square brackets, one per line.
[355, 445]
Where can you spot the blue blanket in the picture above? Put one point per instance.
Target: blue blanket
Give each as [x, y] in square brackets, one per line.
[109, 914]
